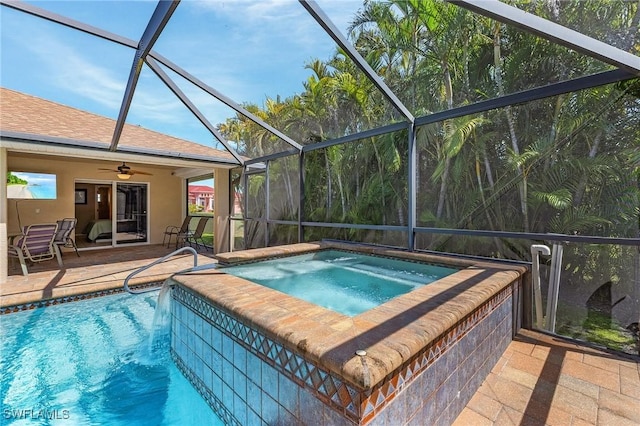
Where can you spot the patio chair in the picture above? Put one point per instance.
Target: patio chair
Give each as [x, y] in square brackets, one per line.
[63, 235]
[195, 237]
[170, 231]
[35, 245]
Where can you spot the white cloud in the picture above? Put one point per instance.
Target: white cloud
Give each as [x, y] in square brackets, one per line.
[249, 10]
[66, 68]
[247, 50]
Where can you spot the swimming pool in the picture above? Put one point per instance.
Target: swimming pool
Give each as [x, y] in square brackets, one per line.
[345, 282]
[91, 362]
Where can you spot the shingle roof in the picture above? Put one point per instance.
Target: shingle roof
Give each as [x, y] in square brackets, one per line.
[23, 113]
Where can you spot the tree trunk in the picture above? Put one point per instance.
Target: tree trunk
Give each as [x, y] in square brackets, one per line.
[633, 30]
[485, 207]
[497, 58]
[442, 198]
[443, 187]
[553, 135]
[582, 185]
[381, 173]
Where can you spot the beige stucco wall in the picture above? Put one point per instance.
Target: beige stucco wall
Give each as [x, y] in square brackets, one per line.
[222, 211]
[3, 217]
[166, 207]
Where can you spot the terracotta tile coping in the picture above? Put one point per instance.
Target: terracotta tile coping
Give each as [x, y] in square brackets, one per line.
[391, 334]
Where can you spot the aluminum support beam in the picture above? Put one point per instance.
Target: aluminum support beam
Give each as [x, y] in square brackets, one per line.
[267, 205]
[245, 203]
[270, 157]
[158, 21]
[68, 22]
[412, 188]
[355, 226]
[554, 32]
[333, 31]
[358, 136]
[301, 176]
[222, 98]
[555, 89]
[538, 236]
[194, 110]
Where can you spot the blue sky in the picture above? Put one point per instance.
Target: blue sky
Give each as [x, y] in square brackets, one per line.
[247, 49]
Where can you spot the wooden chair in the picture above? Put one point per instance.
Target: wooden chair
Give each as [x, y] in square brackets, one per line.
[170, 231]
[63, 235]
[35, 245]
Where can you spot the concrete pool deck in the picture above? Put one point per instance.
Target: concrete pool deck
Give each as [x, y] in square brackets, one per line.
[539, 379]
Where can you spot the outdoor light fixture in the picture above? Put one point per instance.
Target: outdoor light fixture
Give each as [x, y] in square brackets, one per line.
[123, 176]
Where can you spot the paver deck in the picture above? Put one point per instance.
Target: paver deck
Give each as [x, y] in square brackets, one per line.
[539, 380]
[94, 270]
[547, 380]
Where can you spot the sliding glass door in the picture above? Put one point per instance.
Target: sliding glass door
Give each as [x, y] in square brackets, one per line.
[131, 209]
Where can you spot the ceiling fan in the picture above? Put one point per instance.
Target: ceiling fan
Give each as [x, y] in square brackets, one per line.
[125, 172]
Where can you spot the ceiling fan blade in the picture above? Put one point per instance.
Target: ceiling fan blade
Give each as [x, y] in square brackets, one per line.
[125, 170]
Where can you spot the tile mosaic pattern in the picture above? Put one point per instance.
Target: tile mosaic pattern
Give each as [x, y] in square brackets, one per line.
[325, 386]
[72, 298]
[446, 351]
[197, 324]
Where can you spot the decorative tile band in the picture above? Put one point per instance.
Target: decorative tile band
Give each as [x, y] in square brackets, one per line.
[218, 407]
[360, 407]
[329, 388]
[381, 395]
[72, 298]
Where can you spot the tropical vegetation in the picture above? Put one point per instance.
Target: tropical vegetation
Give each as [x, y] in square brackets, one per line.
[567, 164]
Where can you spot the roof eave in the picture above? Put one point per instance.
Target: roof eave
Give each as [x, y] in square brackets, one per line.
[38, 144]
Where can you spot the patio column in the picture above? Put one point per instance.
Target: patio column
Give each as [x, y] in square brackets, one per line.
[4, 261]
[222, 210]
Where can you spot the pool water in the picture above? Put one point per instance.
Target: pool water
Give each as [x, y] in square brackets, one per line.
[91, 363]
[344, 282]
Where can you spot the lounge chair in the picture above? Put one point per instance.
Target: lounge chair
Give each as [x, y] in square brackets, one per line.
[35, 245]
[170, 231]
[63, 235]
[195, 237]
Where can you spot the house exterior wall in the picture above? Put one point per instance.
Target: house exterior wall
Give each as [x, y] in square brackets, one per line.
[221, 201]
[165, 191]
[3, 217]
